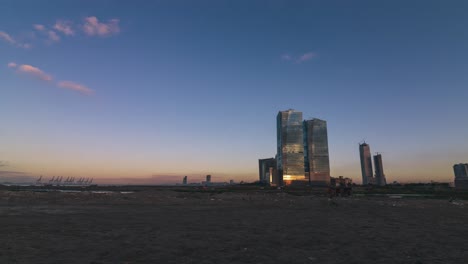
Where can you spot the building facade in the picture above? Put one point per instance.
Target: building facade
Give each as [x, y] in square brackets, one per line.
[290, 148]
[316, 159]
[379, 173]
[460, 170]
[264, 173]
[366, 164]
[461, 176]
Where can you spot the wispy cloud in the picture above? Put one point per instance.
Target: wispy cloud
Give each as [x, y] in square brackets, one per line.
[64, 27]
[299, 59]
[31, 71]
[286, 57]
[39, 27]
[53, 36]
[307, 56]
[9, 39]
[75, 87]
[36, 72]
[93, 27]
[40, 74]
[6, 37]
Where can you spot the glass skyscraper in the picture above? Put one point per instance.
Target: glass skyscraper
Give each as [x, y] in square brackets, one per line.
[316, 159]
[366, 164]
[290, 147]
[379, 174]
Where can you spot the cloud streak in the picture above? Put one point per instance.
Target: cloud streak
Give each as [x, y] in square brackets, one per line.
[39, 27]
[299, 59]
[31, 71]
[7, 38]
[307, 56]
[40, 74]
[93, 27]
[75, 87]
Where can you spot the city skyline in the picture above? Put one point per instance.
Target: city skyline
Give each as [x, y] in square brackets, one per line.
[155, 91]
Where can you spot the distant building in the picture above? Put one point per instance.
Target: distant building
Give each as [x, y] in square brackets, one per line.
[340, 186]
[341, 181]
[264, 173]
[316, 160]
[460, 170]
[231, 182]
[379, 173]
[366, 164]
[208, 179]
[290, 148]
[184, 181]
[461, 176]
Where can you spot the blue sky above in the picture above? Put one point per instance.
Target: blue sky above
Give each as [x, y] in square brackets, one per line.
[175, 88]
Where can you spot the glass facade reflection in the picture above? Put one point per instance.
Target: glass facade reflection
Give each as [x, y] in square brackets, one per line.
[316, 159]
[290, 148]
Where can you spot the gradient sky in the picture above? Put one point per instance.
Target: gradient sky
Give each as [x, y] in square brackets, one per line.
[132, 89]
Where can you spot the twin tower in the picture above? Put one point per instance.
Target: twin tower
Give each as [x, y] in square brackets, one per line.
[302, 152]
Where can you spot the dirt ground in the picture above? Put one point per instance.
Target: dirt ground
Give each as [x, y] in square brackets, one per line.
[252, 227]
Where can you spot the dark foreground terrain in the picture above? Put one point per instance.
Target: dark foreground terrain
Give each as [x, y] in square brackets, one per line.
[167, 226]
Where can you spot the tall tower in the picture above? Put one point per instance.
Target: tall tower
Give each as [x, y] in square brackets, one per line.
[366, 163]
[316, 159]
[184, 181]
[290, 147]
[379, 174]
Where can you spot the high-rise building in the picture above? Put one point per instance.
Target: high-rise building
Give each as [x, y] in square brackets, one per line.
[460, 170]
[264, 166]
[316, 160]
[366, 163]
[379, 173]
[184, 181]
[461, 176]
[208, 179]
[290, 147]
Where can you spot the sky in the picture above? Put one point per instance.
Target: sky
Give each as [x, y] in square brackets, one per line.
[150, 91]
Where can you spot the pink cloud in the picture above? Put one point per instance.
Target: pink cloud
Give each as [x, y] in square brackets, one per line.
[64, 27]
[6, 37]
[93, 27]
[307, 56]
[12, 65]
[39, 27]
[75, 87]
[53, 36]
[35, 72]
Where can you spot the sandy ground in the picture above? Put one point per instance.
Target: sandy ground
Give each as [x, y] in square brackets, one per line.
[252, 227]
